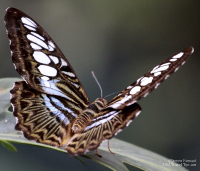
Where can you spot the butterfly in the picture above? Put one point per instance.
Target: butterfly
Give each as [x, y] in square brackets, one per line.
[51, 105]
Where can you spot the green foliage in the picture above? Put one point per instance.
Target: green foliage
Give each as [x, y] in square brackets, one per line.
[124, 152]
[8, 145]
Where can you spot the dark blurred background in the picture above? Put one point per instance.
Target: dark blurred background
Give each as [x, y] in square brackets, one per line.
[120, 41]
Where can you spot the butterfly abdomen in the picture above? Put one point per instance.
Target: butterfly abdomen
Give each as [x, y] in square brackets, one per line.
[81, 122]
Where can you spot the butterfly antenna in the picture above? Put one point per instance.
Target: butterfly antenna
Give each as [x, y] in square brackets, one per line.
[97, 83]
[112, 94]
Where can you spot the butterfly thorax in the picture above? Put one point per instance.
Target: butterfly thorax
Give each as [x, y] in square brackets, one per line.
[87, 115]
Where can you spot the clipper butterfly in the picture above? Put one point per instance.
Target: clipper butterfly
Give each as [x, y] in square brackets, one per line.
[51, 105]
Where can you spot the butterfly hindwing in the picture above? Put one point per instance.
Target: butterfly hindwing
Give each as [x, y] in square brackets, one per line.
[151, 80]
[39, 61]
[41, 117]
[104, 126]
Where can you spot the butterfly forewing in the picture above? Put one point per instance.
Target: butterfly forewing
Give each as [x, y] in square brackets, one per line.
[151, 80]
[39, 61]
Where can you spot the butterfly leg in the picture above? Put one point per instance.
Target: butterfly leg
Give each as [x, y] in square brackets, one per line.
[98, 153]
[109, 147]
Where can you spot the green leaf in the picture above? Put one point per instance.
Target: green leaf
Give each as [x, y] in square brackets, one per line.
[124, 152]
[8, 145]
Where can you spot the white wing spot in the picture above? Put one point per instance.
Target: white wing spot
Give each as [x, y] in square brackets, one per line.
[51, 44]
[157, 85]
[115, 105]
[156, 74]
[63, 63]
[146, 80]
[30, 28]
[160, 68]
[168, 63]
[128, 123]
[37, 41]
[54, 59]
[118, 132]
[45, 79]
[176, 69]
[131, 102]
[137, 114]
[28, 21]
[41, 57]
[35, 47]
[125, 99]
[139, 79]
[179, 55]
[6, 29]
[155, 68]
[183, 63]
[37, 35]
[76, 85]
[135, 89]
[69, 73]
[166, 77]
[50, 48]
[13, 63]
[47, 70]
[129, 87]
[173, 59]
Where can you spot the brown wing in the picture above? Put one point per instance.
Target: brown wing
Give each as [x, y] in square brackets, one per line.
[144, 85]
[39, 61]
[104, 126]
[44, 118]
